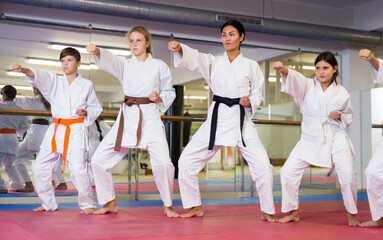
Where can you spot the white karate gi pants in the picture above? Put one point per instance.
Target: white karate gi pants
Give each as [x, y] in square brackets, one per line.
[105, 158]
[195, 156]
[58, 176]
[374, 175]
[48, 162]
[8, 162]
[293, 169]
[23, 155]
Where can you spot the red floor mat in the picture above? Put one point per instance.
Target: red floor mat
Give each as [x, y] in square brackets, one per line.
[319, 220]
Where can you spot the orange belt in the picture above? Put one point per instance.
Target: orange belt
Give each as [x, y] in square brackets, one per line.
[65, 122]
[7, 131]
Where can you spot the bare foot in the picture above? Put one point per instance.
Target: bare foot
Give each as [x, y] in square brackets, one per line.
[39, 209]
[371, 223]
[62, 186]
[352, 221]
[110, 207]
[292, 216]
[88, 211]
[29, 187]
[193, 212]
[268, 217]
[169, 212]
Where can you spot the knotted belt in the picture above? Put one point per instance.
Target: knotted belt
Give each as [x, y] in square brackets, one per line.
[65, 122]
[39, 121]
[130, 101]
[7, 131]
[229, 102]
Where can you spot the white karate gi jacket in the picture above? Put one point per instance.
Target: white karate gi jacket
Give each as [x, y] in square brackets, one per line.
[242, 77]
[377, 76]
[8, 142]
[36, 132]
[65, 100]
[140, 79]
[317, 130]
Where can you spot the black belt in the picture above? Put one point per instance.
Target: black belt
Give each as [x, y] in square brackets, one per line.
[229, 102]
[39, 121]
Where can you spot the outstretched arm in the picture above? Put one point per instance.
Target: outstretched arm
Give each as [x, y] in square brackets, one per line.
[18, 68]
[92, 49]
[293, 82]
[281, 68]
[366, 55]
[175, 46]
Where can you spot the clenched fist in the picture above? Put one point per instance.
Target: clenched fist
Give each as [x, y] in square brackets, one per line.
[335, 115]
[365, 54]
[17, 68]
[155, 97]
[245, 101]
[174, 46]
[92, 49]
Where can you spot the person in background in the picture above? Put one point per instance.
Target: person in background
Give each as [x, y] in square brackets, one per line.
[10, 127]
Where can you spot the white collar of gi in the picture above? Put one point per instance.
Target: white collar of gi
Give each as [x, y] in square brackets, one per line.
[238, 57]
[135, 59]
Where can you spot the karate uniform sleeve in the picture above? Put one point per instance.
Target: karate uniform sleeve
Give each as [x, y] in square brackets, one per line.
[377, 76]
[256, 90]
[110, 63]
[24, 103]
[296, 85]
[194, 61]
[45, 82]
[23, 127]
[347, 113]
[167, 92]
[93, 108]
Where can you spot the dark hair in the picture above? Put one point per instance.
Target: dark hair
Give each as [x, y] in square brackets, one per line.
[70, 52]
[9, 91]
[329, 57]
[237, 25]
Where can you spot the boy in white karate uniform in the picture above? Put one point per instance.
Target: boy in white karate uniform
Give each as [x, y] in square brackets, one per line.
[74, 107]
[10, 126]
[374, 170]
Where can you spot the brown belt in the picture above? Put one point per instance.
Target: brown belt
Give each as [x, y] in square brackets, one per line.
[130, 101]
[39, 121]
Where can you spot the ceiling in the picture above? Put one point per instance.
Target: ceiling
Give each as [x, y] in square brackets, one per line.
[21, 40]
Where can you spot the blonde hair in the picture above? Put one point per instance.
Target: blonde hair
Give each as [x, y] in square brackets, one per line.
[148, 37]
